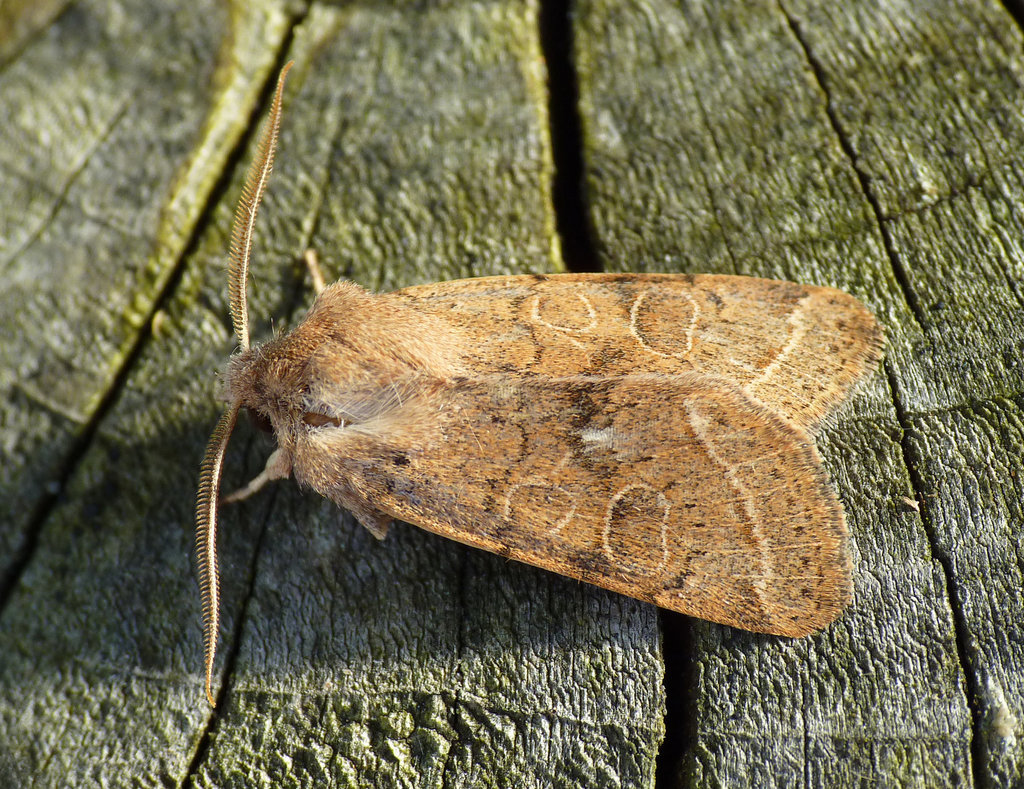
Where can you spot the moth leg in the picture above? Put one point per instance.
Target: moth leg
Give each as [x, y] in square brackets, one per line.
[279, 466]
[313, 266]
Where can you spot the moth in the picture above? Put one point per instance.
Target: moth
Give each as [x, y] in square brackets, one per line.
[652, 434]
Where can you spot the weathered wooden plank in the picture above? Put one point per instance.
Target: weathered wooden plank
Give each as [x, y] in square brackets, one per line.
[113, 142]
[873, 146]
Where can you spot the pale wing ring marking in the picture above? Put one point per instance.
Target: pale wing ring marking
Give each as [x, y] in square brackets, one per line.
[540, 482]
[688, 332]
[665, 505]
[591, 312]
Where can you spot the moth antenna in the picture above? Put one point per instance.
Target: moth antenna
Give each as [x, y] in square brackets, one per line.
[206, 537]
[245, 214]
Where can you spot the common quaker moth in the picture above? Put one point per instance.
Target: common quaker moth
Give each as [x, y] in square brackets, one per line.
[648, 433]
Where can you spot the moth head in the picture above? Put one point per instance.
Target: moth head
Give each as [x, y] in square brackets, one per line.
[210, 470]
[275, 384]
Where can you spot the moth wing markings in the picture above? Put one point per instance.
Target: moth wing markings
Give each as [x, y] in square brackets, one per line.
[719, 581]
[539, 321]
[701, 424]
[637, 323]
[798, 331]
[700, 547]
[561, 507]
[797, 349]
[559, 502]
[618, 531]
[565, 331]
[537, 315]
[832, 343]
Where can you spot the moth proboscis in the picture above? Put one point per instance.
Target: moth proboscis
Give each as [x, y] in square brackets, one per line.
[652, 433]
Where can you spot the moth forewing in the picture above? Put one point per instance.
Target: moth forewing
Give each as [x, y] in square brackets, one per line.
[799, 349]
[683, 490]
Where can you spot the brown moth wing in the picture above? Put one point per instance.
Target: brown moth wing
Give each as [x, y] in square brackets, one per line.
[798, 349]
[682, 490]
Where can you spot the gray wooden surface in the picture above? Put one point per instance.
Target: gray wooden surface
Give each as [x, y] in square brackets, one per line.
[873, 146]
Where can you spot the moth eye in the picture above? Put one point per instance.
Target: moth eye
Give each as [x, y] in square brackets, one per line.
[260, 420]
[314, 419]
